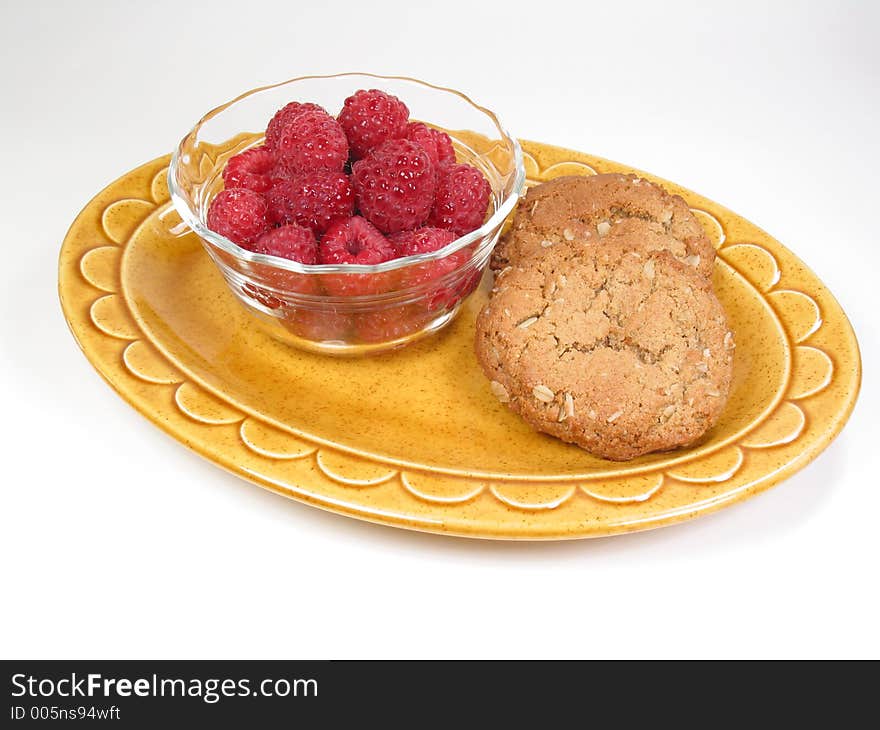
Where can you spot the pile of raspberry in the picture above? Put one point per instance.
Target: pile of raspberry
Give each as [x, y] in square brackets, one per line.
[365, 187]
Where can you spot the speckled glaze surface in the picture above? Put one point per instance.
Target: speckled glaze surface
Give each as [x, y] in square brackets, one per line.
[415, 438]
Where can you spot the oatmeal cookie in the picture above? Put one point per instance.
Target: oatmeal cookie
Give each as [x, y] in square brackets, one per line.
[619, 350]
[574, 211]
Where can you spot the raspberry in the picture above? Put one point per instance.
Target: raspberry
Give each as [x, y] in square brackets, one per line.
[394, 185]
[468, 283]
[425, 240]
[372, 117]
[289, 242]
[461, 200]
[389, 324]
[250, 169]
[437, 144]
[239, 214]
[313, 200]
[311, 140]
[356, 241]
[396, 322]
[421, 240]
[283, 117]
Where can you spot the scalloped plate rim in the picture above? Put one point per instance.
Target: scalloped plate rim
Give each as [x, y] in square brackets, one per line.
[836, 423]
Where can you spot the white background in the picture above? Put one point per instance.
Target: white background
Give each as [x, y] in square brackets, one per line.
[117, 542]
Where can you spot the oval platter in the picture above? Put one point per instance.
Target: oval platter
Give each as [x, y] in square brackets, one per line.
[415, 438]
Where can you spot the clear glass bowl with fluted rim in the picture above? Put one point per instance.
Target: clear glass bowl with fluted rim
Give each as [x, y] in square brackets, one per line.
[395, 302]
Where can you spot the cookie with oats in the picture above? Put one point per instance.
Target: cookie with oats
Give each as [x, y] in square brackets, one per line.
[574, 211]
[619, 350]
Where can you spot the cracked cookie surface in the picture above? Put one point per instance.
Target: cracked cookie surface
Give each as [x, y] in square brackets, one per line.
[620, 350]
[575, 211]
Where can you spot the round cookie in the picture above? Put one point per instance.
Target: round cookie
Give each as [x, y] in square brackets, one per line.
[618, 351]
[580, 210]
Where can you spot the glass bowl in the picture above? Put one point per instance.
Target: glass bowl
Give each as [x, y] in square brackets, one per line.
[393, 303]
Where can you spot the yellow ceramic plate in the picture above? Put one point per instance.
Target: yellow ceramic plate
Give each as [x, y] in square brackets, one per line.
[415, 438]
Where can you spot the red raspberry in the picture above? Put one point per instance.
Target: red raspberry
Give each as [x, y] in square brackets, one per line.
[239, 214]
[394, 185]
[313, 199]
[469, 282]
[421, 240]
[250, 169]
[289, 242]
[311, 140]
[437, 144]
[284, 116]
[356, 241]
[425, 240]
[461, 200]
[372, 117]
[389, 324]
